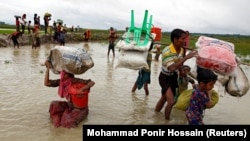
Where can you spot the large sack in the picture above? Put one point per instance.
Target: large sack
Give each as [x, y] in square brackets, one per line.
[216, 55]
[70, 59]
[132, 59]
[184, 99]
[205, 41]
[238, 84]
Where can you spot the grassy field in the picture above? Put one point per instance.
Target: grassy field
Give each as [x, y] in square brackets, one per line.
[242, 43]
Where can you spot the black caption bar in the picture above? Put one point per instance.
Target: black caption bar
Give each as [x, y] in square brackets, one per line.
[206, 132]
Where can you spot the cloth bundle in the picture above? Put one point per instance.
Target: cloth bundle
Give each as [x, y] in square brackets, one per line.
[216, 55]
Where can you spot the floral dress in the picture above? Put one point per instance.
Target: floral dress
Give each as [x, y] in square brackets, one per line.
[196, 107]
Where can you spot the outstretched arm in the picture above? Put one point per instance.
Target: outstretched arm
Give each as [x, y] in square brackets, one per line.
[177, 65]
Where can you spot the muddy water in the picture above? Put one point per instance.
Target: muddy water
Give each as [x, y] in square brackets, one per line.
[24, 101]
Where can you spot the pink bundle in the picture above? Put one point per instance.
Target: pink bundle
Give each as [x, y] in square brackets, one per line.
[216, 55]
[208, 41]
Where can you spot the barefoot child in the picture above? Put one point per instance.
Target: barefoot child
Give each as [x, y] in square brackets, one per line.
[201, 97]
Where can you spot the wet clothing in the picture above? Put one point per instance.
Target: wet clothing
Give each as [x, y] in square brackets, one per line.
[36, 20]
[61, 38]
[144, 73]
[36, 39]
[167, 78]
[112, 38]
[61, 35]
[112, 46]
[143, 77]
[17, 24]
[63, 114]
[194, 113]
[55, 37]
[167, 81]
[183, 83]
[29, 27]
[56, 83]
[46, 23]
[23, 23]
[87, 35]
[14, 37]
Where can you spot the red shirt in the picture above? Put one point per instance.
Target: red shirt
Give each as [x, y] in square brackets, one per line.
[17, 22]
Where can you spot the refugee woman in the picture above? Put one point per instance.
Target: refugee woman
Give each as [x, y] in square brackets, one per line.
[75, 109]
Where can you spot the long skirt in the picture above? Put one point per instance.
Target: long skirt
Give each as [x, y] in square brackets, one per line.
[63, 114]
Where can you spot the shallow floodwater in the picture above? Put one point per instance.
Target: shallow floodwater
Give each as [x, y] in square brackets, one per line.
[24, 100]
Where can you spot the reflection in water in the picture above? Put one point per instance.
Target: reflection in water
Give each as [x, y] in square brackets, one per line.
[110, 69]
[24, 101]
[16, 52]
[86, 46]
[140, 108]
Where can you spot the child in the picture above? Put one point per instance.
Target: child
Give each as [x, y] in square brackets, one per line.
[183, 80]
[143, 78]
[112, 38]
[201, 96]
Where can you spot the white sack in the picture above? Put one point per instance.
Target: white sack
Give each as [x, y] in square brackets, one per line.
[238, 84]
[132, 59]
[131, 45]
[70, 59]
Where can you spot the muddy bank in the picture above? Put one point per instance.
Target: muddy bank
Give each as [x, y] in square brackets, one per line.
[70, 38]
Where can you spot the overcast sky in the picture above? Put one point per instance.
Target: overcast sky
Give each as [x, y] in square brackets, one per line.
[197, 16]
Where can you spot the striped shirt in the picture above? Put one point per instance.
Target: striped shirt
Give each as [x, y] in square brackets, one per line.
[170, 56]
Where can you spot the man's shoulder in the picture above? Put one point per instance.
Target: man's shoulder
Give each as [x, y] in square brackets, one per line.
[166, 49]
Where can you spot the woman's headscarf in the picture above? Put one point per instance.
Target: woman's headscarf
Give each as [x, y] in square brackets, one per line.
[64, 85]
